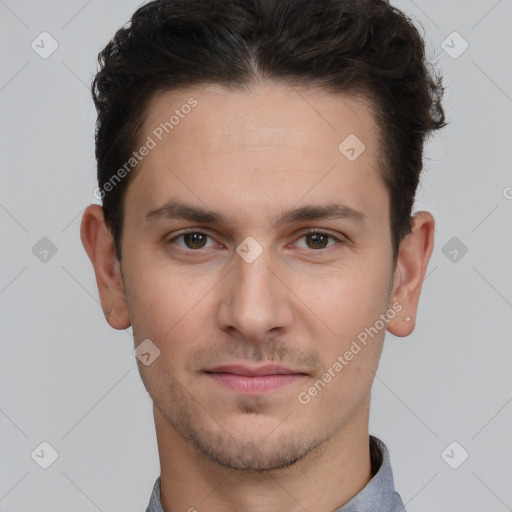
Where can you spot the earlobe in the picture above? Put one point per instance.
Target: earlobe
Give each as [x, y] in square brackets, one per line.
[98, 244]
[412, 262]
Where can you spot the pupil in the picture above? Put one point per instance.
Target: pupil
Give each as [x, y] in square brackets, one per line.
[193, 240]
[316, 239]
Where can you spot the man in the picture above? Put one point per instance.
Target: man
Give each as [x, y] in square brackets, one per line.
[258, 162]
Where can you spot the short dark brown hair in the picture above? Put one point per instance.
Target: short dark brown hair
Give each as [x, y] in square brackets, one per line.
[352, 46]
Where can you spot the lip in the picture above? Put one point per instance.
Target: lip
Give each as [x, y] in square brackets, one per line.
[254, 380]
[251, 371]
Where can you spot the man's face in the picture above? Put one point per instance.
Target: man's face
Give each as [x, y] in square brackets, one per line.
[238, 294]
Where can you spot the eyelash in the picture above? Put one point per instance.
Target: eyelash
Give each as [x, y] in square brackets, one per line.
[196, 252]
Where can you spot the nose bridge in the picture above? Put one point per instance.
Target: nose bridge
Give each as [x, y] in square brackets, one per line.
[255, 303]
[253, 278]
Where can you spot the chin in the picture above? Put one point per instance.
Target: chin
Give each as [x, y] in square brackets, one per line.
[253, 444]
[252, 456]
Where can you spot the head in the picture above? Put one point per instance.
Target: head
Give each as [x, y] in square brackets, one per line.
[226, 132]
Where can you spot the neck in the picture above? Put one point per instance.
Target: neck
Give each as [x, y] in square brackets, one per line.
[325, 479]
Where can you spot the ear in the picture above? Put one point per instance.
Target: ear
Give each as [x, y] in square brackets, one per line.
[412, 261]
[98, 244]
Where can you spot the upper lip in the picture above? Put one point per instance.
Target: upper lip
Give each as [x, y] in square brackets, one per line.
[268, 369]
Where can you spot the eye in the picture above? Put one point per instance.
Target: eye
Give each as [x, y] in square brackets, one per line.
[196, 242]
[193, 241]
[316, 239]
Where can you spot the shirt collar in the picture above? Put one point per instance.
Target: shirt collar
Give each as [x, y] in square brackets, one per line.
[379, 495]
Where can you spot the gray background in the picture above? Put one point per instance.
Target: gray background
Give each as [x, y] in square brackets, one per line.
[68, 379]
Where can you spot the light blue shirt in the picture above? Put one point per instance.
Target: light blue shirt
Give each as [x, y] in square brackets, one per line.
[379, 495]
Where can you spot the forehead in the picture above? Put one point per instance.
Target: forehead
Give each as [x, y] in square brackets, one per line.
[251, 150]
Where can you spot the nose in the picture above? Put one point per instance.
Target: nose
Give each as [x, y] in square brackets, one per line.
[255, 300]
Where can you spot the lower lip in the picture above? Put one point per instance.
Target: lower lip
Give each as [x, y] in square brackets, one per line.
[254, 383]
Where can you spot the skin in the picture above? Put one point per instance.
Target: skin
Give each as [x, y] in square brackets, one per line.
[250, 155]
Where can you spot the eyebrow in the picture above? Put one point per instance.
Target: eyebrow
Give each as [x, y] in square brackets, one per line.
[180, 210]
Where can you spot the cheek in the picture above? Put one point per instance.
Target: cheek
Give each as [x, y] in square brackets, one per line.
[169, 308]
[347, 301]
[347, 337]
[348, 388]
[152, 298]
